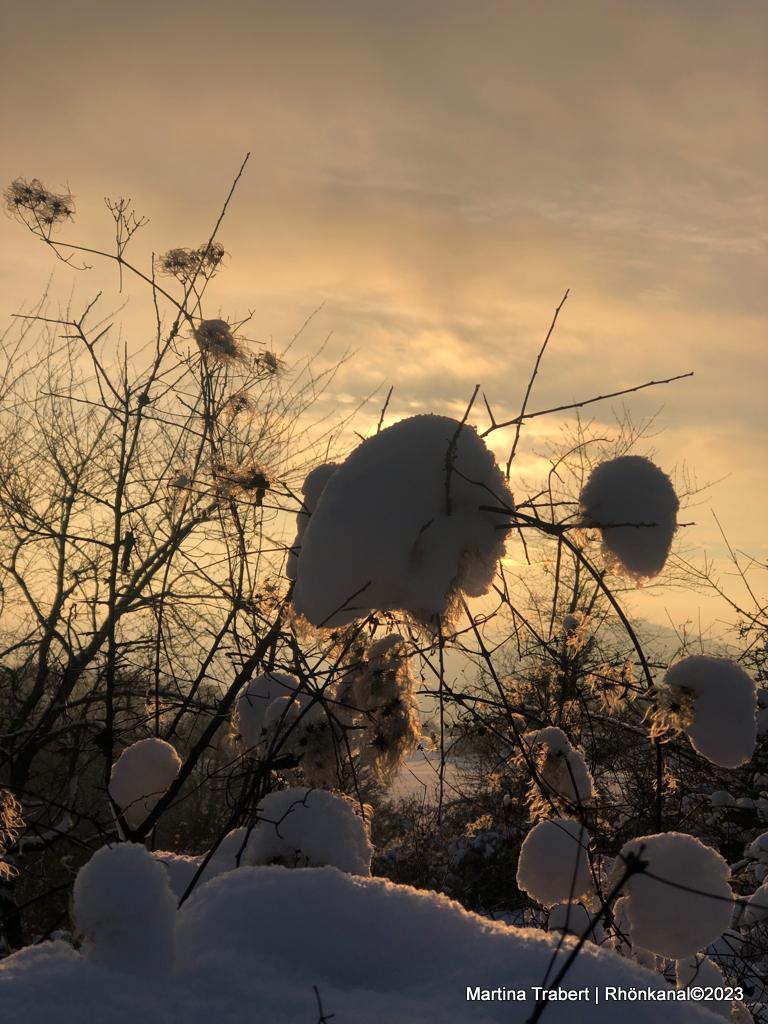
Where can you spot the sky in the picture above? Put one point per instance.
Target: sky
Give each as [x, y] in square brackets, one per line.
[435, 175]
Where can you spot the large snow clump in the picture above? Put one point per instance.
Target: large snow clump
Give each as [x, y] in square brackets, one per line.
[715, 702]
[553, 866]
[310, 828]
[252, 943]
[398, 525]
[140, 777]
[632, 490]
[125, 911]
[663, 914]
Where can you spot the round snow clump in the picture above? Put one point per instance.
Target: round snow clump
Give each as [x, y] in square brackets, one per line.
[125, 911]
[553, 865]
[399, 525]
[667, 920]
[716, 703]
[310, 828]
[314, 485]
[141, 776]
[253, 702]
[634, 505]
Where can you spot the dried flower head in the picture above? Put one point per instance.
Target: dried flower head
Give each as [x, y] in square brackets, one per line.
[240, 404]
[38, 207]
[187, 264]
[269, 362]
[216, 340]
[243, 480]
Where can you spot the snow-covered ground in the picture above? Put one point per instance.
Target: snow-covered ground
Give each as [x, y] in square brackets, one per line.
[254, 945]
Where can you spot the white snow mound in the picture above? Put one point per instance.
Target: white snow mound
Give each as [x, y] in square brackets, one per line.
[251, 944]
[632, 490]
[398, 525]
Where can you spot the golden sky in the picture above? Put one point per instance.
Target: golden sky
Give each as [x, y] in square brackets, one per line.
[437, 174]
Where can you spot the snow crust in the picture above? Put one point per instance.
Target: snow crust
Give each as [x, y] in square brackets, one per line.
[719, 699]
[310, 828]
[632, 490]
[125, 911]
[667, 920]
[553, 866]
[141, 775]
[398, 525]
[251, 944]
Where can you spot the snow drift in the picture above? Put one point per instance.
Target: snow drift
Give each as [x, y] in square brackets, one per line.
[252, 943]
[398, 525]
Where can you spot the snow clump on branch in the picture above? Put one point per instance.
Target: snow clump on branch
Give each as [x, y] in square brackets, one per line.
[141, 776]
[633, 504]
[561, 772]
[553, 866]
[310, 828]
[713, 701]
[680, 901]
[399, 526]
